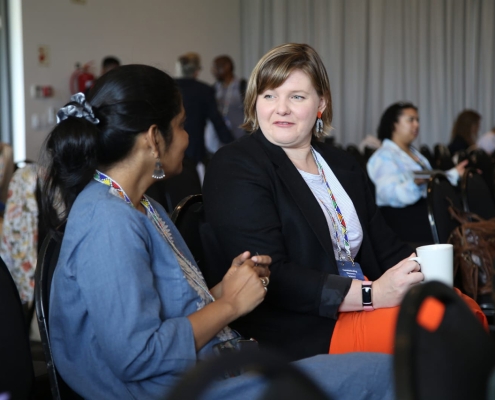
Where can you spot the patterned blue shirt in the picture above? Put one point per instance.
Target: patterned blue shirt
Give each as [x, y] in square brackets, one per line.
[391, 170]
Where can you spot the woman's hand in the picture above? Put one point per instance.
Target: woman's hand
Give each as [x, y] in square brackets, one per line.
[241, 287]
[239, 292]
[391, 287]
[261, 265]
[461, 167]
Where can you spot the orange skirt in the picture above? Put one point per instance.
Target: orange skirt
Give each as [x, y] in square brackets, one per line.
[374, 331]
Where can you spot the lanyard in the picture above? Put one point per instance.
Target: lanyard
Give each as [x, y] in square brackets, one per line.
[343, 225]
[186, 266]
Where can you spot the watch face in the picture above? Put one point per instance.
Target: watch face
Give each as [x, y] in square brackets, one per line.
[366, 295]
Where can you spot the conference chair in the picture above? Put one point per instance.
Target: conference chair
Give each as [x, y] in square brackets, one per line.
[368, 152]
[439, 197]
[189, 219]
[476, 195]
[460, 156]
[451, 361]
[170, 192]
[410, 223]
[285, 382]
[479, 160]
[187, 216]
[354, 151]
[426, 152]
[442, 157]
[45, 268]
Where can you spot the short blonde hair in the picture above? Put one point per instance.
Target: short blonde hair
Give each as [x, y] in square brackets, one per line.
[272, 71]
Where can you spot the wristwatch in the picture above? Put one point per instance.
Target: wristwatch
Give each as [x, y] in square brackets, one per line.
[366, 288]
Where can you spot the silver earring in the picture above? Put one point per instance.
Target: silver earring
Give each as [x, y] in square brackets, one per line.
[319, 123]
[158, 173]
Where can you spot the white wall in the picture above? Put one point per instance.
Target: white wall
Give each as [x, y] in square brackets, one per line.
[153, 32]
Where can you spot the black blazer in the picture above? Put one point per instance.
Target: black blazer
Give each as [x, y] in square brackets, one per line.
[200, 105]
[256, 200]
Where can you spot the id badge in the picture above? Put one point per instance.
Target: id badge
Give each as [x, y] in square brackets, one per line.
[346, 268]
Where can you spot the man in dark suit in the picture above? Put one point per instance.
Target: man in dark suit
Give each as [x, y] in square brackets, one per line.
[200, 105]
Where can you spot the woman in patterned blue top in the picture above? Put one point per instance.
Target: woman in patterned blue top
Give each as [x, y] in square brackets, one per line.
[129, 308]
[391, 168]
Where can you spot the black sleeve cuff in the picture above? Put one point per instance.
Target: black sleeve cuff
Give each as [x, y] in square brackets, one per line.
[333, 293]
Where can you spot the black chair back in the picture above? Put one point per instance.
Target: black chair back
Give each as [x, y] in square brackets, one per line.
[452, 362]
[45, 268]
[285, 382]
[16, 368]
[478, 159]
[368, 152]
[443, 158]
[354, 151]
[410, 223]
[440, 194]
[476, 195]
[187, 217]
[460, 156]
[426, 152]
[171, 191]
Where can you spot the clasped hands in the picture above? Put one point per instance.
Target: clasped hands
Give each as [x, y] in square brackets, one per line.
[244, 286]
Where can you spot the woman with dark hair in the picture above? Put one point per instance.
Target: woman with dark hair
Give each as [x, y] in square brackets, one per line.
[391, 168]
[129, 308]
[464, 131]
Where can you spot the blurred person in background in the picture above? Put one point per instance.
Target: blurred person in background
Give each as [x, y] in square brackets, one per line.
[109, 63]
[200, 106]
[391, 168]
[486, 141]
[229, 93]
[465, 131]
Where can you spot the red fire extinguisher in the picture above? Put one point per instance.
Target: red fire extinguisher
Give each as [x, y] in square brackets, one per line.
[81, 79]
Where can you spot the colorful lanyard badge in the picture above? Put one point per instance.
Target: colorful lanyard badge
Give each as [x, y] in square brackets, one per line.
[189, 270]
[346, 265]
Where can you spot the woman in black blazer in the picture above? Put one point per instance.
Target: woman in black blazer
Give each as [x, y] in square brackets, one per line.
[256, 195]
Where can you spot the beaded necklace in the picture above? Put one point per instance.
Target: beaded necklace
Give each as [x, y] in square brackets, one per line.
[192, 273]
[343, 226]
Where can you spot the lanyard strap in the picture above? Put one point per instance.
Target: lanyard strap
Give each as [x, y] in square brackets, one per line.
[185, 265]
[343, 225]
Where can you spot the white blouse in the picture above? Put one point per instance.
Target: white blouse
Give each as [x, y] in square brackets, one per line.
[319, 189]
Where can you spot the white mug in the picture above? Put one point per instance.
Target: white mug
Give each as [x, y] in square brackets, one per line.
[437, 262]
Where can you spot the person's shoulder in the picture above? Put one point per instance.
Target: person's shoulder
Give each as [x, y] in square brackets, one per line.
[242, 147]
[387, 150]
[96, 208]
[190, 83]
[201, 86]
[244, 154]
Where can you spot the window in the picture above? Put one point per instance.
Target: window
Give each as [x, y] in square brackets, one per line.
[5, 99]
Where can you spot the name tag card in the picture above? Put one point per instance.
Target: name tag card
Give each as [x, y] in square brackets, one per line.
[346, 268]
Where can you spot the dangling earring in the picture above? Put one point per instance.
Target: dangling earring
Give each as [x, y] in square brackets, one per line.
[319, 123]
[158, 173]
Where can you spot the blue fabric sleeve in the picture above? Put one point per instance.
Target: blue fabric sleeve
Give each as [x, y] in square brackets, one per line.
[394, 187]
[114, 272]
